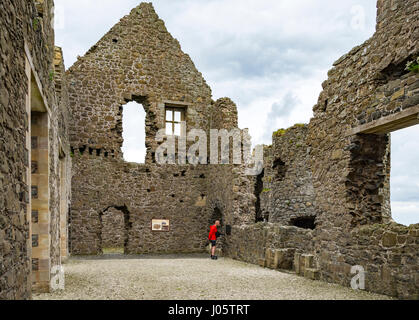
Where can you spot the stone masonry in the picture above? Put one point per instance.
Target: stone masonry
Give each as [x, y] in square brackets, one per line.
[346, 173]
[34, 150]
[287, 196]
[320, 206]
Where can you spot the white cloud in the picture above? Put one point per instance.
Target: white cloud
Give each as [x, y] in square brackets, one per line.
[406, 213]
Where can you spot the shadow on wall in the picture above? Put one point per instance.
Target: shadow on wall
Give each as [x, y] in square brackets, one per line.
[307, 222]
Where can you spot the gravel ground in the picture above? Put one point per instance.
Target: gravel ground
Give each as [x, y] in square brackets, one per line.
[188, 277]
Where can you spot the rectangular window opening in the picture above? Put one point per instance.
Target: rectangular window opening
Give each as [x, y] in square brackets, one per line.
[174, 116]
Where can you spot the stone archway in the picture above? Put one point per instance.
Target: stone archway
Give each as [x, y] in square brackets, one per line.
[114, 229]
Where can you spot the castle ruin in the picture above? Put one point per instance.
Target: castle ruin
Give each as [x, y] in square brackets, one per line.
[320, 206]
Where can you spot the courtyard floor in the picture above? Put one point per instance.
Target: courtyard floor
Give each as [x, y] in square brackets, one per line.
[188, 277]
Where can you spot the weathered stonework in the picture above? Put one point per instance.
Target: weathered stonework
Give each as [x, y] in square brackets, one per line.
[287, 196]
[152, 70]
[345, 175]
[268, 244]
[323, 194]
[29, 171]
[148, 192]
[136, 60]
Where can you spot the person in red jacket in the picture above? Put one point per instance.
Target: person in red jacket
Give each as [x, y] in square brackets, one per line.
[212, 237]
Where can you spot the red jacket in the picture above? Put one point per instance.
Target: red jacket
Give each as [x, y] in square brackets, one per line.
[213, 231]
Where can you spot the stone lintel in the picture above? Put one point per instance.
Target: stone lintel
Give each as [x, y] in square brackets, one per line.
[394, 122]
[179, 103]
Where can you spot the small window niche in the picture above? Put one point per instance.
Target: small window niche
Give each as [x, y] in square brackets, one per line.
[305, 222]
[228, 230]
[280, 167]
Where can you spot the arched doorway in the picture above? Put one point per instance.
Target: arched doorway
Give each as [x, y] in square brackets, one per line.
[114, 230]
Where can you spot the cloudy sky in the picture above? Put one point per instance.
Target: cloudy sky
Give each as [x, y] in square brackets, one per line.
[269, 56]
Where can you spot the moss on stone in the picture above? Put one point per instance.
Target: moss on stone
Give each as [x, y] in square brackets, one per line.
[281, 132]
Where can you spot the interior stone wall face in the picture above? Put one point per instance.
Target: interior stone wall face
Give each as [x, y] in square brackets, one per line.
[24, 23]
[139, 60]
[288, 191]
[15, 265]
[351, 173]
[173, 192]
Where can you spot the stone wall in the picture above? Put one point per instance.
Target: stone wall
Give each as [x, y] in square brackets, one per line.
[177, 193]
[351, 172]
[388, 253]
[347, 175]
[287, 195]
[258, 243]
[139, 60]
[191, 197]
[26, 65]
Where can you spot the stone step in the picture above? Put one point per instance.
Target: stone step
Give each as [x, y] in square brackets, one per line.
[279, 258]
[303, 262]
[262, 262]
[311, 273]
[307, 260]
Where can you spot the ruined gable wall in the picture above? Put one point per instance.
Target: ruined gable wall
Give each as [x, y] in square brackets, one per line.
[136, 58]
[21, 22]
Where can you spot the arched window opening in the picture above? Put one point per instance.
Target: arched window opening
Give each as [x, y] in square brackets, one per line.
[133, 132]
[280, 167]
